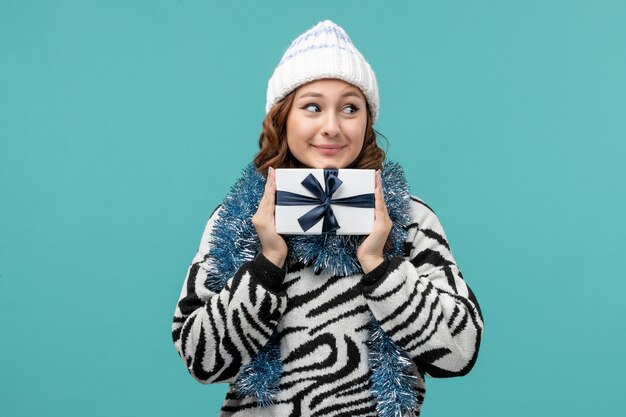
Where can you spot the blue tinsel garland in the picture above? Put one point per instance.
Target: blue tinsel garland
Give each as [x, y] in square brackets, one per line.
[259, 378]
[395, 384]
[234, 241]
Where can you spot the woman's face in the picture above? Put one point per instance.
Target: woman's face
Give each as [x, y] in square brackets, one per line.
[326, 124]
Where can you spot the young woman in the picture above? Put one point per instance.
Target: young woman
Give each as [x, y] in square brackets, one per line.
[324, 325]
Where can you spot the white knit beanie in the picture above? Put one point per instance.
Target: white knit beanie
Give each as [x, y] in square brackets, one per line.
[324, 51]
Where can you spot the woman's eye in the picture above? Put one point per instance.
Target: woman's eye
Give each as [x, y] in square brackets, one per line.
[351, 109]
[311, 108]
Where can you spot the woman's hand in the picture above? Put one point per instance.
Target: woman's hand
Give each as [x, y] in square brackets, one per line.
[370, 253]
[273, 245]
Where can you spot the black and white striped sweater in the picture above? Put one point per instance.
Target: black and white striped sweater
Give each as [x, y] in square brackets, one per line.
[420, 300]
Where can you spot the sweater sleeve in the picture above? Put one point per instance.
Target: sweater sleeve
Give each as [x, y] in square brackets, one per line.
[422, 302]
[216, 333]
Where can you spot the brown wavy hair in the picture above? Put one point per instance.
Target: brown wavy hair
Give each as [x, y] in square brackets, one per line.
[274, 151]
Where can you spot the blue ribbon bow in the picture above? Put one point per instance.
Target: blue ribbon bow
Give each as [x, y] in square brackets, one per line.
[324, 201]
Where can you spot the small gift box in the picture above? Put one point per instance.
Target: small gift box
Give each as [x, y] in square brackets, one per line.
[317, 201]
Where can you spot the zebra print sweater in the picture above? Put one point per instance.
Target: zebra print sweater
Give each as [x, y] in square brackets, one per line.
[420, 300]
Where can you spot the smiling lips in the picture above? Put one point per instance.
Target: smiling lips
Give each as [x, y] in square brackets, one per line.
[328, 149]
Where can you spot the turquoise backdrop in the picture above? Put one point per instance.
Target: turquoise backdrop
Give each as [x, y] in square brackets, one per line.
[123, 123]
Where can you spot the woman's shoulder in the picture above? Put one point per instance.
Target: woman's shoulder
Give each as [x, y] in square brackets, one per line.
[419, 204]
[423, 218]
[422, 213]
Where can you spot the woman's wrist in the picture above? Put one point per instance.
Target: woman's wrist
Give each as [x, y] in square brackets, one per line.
[267, 273]
[276, 258]
[368, 264]
[376, 274]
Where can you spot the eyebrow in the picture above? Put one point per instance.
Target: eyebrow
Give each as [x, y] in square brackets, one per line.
[346, 94]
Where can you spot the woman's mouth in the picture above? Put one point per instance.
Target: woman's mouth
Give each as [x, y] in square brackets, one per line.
[328, 149]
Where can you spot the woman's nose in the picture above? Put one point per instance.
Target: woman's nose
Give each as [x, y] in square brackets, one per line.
[331, 125]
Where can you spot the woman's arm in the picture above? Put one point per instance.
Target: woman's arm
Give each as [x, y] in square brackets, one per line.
[217, 333]
[422, 302]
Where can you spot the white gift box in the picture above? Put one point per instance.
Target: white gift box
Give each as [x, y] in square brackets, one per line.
[302, 201]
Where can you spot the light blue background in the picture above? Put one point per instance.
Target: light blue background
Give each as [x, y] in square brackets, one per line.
[123, 123]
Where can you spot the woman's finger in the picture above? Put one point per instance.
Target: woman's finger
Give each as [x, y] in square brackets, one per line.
[271, 191]
[379, 205]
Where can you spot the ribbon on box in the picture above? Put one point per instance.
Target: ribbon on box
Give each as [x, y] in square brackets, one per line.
[323, 198]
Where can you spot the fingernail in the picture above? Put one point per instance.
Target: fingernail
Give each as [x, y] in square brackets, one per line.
[269, 171]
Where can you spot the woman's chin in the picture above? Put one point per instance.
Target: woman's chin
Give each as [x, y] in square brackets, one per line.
[329, 163]
[324, 162]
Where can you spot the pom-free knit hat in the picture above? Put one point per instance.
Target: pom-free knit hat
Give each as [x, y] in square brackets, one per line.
[324, 51]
